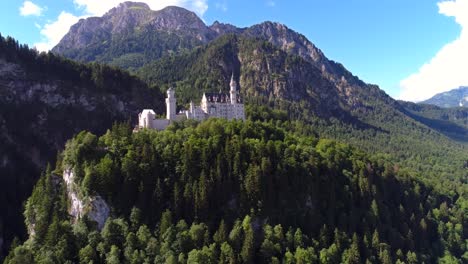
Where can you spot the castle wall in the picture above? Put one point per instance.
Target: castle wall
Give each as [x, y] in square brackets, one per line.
[160, 124]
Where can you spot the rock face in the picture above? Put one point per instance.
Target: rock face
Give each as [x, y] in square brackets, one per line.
[453, 98]
[44, 101]
[223, 29]
[76, 204]
[130, 35]
[94, 207]
[52, 111]
[137, 30]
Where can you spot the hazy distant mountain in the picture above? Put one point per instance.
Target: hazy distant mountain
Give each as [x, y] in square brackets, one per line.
[453, 98]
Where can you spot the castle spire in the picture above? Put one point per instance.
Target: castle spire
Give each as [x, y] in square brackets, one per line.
[233, 83]
[233, 92]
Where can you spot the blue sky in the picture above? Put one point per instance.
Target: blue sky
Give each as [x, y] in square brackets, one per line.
[411, 49]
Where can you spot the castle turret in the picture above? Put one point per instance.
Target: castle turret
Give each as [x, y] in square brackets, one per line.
[170, 104]
[233, 90]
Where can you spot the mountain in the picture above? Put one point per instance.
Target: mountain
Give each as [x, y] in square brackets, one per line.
[278, 67]
[295, 98]
[360, 114]
[132, 34]
[44, 101]
[453, 98]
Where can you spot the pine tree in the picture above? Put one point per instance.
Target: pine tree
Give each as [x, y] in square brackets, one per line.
[114, 255]
[220, 235]
[165, 223]
[247, 251]
[352, 254]
[227, 254]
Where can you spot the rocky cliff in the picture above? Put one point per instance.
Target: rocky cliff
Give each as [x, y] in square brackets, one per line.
[94, 207]
[46, 100]
[130, 35]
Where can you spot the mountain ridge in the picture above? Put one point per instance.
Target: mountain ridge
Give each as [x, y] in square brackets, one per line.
[285, 79]
[171, 19]
[265, 70]
[457, 97]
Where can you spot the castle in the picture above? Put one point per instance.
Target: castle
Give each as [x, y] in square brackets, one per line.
[220, 105]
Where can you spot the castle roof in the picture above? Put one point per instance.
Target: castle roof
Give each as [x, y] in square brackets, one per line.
[148, 111]
[217, 97]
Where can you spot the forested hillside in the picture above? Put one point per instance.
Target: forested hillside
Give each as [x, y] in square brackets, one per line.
[44, 101]
[238, 192]
[276, 67]
[360, 114]
[452, 122]
[326, 168]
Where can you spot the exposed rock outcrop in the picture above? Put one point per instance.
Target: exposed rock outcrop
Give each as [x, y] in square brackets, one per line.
[44, 101]
[95, 37]
[94, 207]
[132, 35]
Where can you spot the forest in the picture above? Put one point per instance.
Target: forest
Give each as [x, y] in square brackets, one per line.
[238, 192]
[44, 101]
[281, 187]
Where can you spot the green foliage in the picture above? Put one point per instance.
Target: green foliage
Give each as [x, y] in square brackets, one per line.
[285, 89]
[45, 100]
[133, 49]
[244, 192]
[451, 122]
[264, 190]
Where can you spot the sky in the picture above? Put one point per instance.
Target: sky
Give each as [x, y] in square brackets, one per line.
[411, 49]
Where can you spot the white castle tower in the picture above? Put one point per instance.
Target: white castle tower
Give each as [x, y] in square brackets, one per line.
[170, 105]
[233, 91]
[219, 105]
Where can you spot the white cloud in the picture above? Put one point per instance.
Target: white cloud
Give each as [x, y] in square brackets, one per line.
[53, 32]
[30, 9]
[271, 3]
[99, 8]
[447, 69]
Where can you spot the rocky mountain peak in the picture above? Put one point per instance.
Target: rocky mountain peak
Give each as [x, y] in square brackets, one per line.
[136, 23]
[223, 28]
[131, 15]
[177, 18]
[289, 40]
[125, 7]
[127, 16]
[128, 19]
